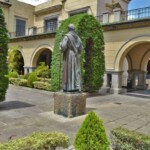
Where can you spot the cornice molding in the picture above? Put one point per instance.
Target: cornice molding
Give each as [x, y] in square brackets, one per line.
[32, 37]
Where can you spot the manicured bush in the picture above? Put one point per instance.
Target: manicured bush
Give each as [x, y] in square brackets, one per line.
[15, 59]
[42, 70]
[44, 80]
[3, 57]
[42, 85]
[12, 74]
[92, 57]
[124, 139]
[18, 81]
[26, 75]
[32, 78]
[21, 76]
[91, 135]
[38, 141]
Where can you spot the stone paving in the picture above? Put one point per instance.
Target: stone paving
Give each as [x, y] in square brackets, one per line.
[29, 110]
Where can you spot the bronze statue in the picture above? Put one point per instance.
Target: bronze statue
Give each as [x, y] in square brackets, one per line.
[71, 47]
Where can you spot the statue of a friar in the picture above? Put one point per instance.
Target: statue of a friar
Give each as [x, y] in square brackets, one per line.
[71, 47]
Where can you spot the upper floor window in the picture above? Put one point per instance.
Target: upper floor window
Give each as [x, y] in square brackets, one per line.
[51, 25]
[79, 11]
[20, 27]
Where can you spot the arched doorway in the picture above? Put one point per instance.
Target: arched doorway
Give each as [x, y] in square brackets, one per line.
[125, 68]
[43, 54]
[136, 53]
[16, 60]
[148, 70]
[148, 75]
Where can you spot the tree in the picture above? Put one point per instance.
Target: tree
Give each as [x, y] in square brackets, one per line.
[3, 57]
[92, 57]
[91, 135]
[15, 59]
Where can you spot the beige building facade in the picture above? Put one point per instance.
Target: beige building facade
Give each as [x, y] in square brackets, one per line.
[126, 33]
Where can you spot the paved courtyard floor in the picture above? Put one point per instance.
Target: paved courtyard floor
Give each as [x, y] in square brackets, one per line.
[28, 110]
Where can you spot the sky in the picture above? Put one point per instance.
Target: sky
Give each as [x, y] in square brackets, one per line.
[33, 2]
[133, 4]
[138, 4]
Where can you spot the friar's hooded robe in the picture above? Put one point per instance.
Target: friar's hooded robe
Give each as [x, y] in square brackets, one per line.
[71, 47]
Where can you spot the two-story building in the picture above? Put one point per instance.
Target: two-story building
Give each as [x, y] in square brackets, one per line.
[126, 36]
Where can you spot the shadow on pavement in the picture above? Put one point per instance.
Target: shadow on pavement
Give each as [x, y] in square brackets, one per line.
[14, 105]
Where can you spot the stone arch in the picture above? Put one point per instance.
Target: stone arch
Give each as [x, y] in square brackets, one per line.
[22, 53]
[129, 60]
[126, 47]
[37, 52]
[145, 60]
[20, 61]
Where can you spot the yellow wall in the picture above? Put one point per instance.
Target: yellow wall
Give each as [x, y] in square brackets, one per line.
[30, 48]
[67, 7]
[20, 10]
[119, 42]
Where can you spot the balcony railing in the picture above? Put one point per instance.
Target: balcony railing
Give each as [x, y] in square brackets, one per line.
[32, 31]
[135, 14]
[124, 16]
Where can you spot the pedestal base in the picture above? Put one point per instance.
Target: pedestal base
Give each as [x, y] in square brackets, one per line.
[69, 104]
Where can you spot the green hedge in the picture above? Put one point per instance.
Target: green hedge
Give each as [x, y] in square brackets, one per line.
[44, 80]
[18, 81]
[12, 74]
[42, 85]
[38, 141]
[3, 57]
[92, 58]
[32, 78]
[124, 139]
[36, 84]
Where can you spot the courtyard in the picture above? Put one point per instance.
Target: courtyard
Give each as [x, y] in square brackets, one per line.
[29, 110]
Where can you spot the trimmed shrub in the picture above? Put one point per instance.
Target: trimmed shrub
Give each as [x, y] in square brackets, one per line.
[32, 78]
[124, 139]
[15, 59]
[92, 57]
[42, 85]
[3, 57]
[91, 135]
[42, 70]
[21, 76]
[18, 81]
[38, 141]
[26, 75]
[44, 80]
[12, 74]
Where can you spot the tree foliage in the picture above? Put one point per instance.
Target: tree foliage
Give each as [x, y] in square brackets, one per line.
[15, 59]
[91, 135]
[92, 57]
[42, 70]
[3, 57]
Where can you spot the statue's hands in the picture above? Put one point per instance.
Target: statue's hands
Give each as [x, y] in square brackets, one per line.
[60, 45]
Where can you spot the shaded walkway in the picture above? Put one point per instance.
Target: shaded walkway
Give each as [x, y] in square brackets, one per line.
[140, 93]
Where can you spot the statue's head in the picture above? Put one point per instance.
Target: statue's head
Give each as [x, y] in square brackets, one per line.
[71, 27]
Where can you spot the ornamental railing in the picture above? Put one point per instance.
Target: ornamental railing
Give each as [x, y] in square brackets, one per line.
[135, 14]
[122, 16]
[32, 31]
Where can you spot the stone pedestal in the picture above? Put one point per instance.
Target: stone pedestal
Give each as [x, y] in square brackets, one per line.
[69, 104]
